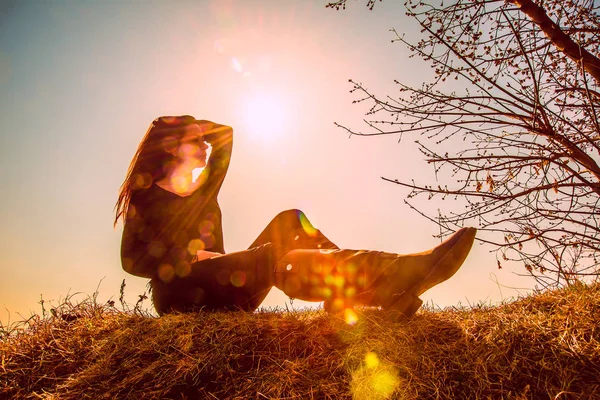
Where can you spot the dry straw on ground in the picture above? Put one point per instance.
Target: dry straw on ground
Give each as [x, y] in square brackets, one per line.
[545, 346]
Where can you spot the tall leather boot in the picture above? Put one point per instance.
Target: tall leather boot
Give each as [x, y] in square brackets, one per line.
[344, 278]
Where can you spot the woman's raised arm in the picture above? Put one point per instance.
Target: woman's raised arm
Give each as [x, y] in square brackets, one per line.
[220, 138]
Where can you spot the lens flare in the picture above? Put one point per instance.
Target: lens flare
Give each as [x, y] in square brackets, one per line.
[350, 316]
[236, 65]
[350, 292]
[195, 245]
[307, 226]
[179, 183]
[337, 305]
[384, 383]
[371, 360]
[209, 240]
[166, 273]
[169, 144]
[183, 269]
[374, 380]
[142, 181]
[156, 249]
[206, 228]
[238, 279]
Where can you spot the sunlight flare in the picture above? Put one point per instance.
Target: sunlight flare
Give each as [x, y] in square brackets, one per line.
[350, 316]
[236, 65]
[371, 360]
[265, 116]
[374, 379]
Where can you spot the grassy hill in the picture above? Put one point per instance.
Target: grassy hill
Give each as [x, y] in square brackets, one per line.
[545, 346]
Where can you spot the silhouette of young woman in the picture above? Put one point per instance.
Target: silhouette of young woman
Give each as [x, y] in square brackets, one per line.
[173, 235]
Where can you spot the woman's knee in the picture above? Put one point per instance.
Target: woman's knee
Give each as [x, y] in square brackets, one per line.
[291, 220]
[290, 215]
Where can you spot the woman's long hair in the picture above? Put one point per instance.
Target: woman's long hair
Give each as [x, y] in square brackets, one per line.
[153, 154]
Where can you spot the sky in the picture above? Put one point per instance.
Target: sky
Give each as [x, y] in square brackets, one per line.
[80, 82]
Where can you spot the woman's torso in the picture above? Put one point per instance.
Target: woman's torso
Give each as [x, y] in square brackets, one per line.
[165, 231]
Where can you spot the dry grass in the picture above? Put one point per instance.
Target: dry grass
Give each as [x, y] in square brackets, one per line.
[541, 347]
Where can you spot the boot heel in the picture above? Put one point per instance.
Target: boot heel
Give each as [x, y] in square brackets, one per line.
[405, 305]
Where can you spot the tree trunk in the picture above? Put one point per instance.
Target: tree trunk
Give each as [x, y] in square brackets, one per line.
[561, 40]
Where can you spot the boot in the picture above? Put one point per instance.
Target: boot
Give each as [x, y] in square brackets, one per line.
[344, 278]
[399, 287]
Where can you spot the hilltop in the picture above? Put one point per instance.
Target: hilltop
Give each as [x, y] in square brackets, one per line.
[545, 345]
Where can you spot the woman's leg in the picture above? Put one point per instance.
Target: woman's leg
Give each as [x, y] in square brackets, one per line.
[291, 230]
[342, 278]
[239, 280]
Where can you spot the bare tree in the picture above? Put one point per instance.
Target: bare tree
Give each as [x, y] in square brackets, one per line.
[510, 119]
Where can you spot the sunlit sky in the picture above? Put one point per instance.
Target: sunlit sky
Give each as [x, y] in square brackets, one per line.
[81, 81]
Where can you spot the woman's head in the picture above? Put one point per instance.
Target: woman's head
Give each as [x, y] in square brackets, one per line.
[187, 145]
[168, 142]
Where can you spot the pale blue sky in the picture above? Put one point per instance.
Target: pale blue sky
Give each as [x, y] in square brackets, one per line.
[81, 81]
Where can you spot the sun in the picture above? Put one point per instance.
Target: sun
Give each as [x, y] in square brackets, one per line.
[264, 116]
